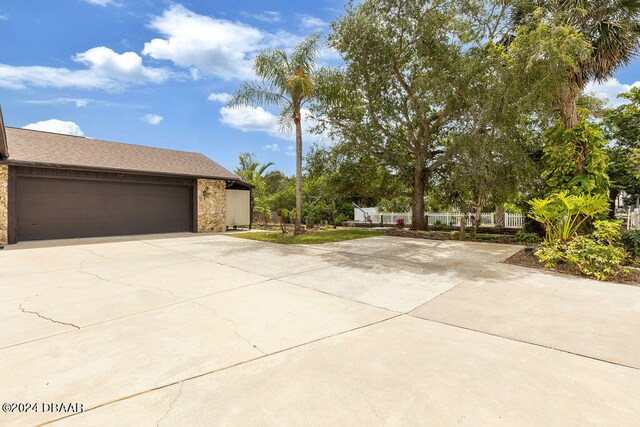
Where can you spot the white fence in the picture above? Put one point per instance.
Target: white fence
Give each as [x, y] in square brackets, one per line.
[633, 223]
[450, 219]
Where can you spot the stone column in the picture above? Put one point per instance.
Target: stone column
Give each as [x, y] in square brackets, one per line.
[212, 199]
[4, 204]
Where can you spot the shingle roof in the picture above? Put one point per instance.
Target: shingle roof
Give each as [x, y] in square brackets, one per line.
[38, 148]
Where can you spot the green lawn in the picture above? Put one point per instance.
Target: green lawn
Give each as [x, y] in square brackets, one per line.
[311, 237]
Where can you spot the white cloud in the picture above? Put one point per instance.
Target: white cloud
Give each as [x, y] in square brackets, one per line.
[250, 119]
[217, 47]
[79, 102]
[272, 147]
[222, 97]
[152, 119]
[106, 69]
[56, 126]
[4, 18]
[291, 150]
[267, 16]
[609, 90]
[309, 22]
[257, 119]
[100, 2]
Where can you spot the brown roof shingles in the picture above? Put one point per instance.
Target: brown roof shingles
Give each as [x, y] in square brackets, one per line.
[38, 148]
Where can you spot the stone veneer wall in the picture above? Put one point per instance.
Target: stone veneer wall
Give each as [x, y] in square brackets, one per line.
[211, 205]
[4, 204]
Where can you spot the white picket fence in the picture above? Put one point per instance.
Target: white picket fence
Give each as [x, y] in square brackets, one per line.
[633, 223]
[449, 219]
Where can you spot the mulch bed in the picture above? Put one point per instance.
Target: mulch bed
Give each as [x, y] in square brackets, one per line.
[526, 258]
[440, 235]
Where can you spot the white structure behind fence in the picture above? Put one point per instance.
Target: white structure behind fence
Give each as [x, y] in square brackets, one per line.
[633, 223]
[449, 219]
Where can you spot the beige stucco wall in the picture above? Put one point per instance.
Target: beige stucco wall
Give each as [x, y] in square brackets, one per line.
[4, 203]
[211, 205]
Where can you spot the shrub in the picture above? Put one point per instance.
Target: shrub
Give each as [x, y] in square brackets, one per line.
[594, 259]
[551, 253]
[400, 223]
[562, 214]
[438, 225]
[598, 255]
[523, 237]
[339, 219]
[631, 240]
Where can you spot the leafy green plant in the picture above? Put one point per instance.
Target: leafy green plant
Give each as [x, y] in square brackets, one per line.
[575, 159]
[340, 219]
[562, 214]
[631, 240]
[551, 253]
[593, 258]
[524, 237]
[598, 255]
[438, 225]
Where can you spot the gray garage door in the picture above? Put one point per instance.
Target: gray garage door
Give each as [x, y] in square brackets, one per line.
[67, 208]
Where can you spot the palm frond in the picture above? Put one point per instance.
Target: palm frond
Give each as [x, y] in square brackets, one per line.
[285, 119]
[272, 67]
[305, 54]
[254, 94]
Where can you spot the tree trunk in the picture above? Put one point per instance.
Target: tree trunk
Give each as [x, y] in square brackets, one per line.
[477, 221]
[463, 223]
[613, 198]
[500, 215]
[298, 222]
[417, 207]
[568, 105]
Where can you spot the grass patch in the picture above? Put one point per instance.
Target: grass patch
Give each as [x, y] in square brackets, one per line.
[310, 237]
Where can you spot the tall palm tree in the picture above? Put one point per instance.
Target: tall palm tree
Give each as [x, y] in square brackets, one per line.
[286, 81]
[250, 168]
[611, 27]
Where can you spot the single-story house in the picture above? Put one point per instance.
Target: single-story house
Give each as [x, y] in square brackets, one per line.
[55, 186]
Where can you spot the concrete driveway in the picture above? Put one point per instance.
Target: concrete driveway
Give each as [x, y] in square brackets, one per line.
[214, 330]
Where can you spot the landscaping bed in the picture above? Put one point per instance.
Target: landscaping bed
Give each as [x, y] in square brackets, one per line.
[527, 258]
[450, 235]
[310, 237]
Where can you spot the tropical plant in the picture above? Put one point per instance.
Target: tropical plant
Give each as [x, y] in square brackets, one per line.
[287, 82]
[562, 214]
[631, 241]
[250, 168]
[609, 27]
[575, 159]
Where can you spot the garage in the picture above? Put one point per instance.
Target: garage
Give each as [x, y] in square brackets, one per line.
[55, 186]
[52, 207]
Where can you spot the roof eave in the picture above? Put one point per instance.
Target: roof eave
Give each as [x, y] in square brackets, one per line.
[13, 162]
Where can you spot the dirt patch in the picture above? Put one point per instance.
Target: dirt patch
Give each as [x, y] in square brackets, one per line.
[527, 258]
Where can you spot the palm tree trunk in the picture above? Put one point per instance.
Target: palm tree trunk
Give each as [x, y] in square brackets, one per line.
[568, 105]
[298, 223]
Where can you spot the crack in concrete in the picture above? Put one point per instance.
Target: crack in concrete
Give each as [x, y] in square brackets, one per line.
[97, 276]
[173, 402]
[24, 310]
[235, 326]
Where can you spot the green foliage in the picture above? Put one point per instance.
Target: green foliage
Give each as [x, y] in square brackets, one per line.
[398, 204]
[575, 159]
[598, 255]
[438, 225]
[622, 126]
[340, 218]
[524, 237]
[562, 214]
[595, 259]
[550, 253]
[631, 240]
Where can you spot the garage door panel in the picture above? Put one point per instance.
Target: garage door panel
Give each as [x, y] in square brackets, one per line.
[66, 208]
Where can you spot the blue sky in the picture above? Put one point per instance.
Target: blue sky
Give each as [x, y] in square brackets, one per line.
[155, 72]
